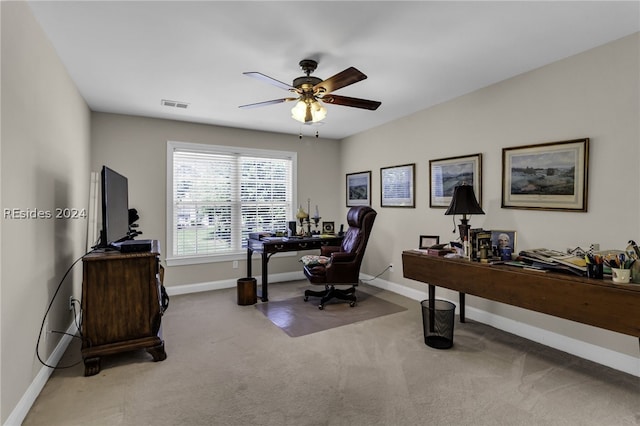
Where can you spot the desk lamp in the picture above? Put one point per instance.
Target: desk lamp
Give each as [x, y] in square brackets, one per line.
[464, 202]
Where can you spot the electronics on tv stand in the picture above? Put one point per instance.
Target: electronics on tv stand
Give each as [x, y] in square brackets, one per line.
[133, 246]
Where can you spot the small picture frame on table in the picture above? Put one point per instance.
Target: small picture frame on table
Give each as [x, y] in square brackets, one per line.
[503, 243]
[427, 241]
[328, 228]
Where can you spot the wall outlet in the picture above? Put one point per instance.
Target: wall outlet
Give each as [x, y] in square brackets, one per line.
[71, 303]
[594, 247]
[391, 267]
[235, 264]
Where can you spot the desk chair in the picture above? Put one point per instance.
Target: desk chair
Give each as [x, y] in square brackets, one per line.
[343, 268]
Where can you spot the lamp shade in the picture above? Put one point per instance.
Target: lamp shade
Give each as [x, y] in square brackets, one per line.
[308, 110]
[464, 201]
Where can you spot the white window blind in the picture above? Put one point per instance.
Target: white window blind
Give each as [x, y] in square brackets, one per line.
[221, 194]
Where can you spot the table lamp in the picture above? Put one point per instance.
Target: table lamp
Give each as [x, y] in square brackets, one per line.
[464, 202]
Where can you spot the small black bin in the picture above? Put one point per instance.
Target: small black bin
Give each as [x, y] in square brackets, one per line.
[437, 319]
[247, 294]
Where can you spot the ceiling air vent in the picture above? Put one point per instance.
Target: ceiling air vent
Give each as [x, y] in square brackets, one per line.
[175, 104]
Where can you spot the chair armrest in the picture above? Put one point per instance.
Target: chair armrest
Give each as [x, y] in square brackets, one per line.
[328, 250]
[340, 257]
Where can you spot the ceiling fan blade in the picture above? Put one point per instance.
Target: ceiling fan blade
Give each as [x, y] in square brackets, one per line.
[267, 79]
[344, 78]
[265, 103]
[351, 102]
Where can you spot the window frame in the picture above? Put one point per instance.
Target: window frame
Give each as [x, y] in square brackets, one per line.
[172, 146]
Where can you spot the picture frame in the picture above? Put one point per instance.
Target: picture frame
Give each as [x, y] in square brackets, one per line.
[503, 243]
[547, 176]
[427, 241]
[397, 186]
[447, 173]
[328, 228]
[358, 189]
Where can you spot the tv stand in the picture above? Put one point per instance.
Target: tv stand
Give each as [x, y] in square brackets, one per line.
[121, 305]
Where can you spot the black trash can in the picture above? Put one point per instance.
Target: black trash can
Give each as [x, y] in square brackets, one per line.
[247, 291]
[438, 317]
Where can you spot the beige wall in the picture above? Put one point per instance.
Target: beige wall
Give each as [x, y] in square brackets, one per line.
[594, 94]
[136, 147]
[45, 165]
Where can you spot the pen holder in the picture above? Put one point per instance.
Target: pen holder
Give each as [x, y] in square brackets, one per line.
[635, 272]
[595, 270]
[621, 276]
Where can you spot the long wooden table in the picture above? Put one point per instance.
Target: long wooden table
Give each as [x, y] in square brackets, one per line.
[600, 303]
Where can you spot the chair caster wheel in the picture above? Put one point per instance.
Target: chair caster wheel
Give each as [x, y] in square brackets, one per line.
[306, 298]
[321, 307]
[352, 304]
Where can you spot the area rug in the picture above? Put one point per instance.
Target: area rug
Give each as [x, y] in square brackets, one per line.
[298, 318]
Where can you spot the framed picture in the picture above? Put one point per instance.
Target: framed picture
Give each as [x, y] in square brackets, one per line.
[548, 176]
[397, 186]
[447, 173]
[359, 189]
[427, 241]
[328, 228]
[503, 243]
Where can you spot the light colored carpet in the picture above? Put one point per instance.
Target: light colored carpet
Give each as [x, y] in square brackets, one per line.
[299, 318]
[229, 365]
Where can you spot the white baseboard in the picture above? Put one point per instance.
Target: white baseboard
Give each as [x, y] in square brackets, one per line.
[219, 285]
[616, 360]
[21, 410]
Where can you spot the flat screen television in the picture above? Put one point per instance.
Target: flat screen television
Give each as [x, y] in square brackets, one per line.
[115, 208]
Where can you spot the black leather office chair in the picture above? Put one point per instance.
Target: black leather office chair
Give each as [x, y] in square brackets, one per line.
[345, 260]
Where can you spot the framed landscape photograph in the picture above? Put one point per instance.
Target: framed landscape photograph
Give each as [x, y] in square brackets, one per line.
[447, 173]
[359, 189]
[548, 176]
[397, 186]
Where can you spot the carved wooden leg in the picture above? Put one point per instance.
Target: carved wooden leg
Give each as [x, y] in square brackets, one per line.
[91, 366]
[157, 352]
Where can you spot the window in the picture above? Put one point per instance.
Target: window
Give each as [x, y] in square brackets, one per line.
[217, 195]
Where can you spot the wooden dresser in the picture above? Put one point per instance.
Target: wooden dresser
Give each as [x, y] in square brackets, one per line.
[121, 305]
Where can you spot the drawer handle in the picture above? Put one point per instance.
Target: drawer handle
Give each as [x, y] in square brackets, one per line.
[302, 245]
[279, 246]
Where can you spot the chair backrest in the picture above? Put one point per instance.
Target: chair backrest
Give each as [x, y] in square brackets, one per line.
[360, 220]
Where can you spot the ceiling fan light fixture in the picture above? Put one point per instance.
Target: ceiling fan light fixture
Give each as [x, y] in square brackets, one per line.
[310, 90]
[308, 111]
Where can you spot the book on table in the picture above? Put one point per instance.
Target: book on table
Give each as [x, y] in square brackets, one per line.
[548, 256]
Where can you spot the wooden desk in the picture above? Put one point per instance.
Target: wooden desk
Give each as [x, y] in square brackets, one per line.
[600, 303]
[271, 246]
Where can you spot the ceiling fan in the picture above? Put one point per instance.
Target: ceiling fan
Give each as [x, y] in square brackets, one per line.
[310, 90]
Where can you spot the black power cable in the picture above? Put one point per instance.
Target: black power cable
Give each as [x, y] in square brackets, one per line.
[47, 313]
[383, 271]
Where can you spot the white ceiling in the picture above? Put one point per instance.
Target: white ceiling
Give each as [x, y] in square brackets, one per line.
[125, 57]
